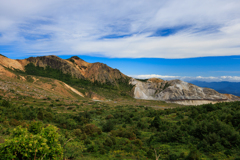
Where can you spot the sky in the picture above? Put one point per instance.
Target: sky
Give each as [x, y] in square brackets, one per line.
[169, 39]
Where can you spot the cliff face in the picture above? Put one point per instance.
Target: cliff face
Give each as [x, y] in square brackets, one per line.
[177, 91]
[75, 66]
[10, 63]
[56, 63]
[98, 71]
[80, 69]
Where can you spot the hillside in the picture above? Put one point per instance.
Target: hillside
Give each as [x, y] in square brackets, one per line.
[94, 80]
[80, 69]
[89, 130]
[177, 91]
[99, 81]
[64, 108]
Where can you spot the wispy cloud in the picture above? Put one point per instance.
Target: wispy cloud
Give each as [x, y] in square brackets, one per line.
[155, 76]
[135, 28]
[186, 78]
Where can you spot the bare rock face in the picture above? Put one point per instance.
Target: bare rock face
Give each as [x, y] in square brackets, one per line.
[177, 91]
[80, 69]
[56, 63]
[74, 66]
[10, 63]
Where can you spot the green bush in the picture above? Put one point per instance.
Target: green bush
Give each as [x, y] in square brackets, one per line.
[193, 155]
[73, 150]
[108, 142]
[6, 103]
[23, 144]
[91, 129]
[156, 122]
[108, 126]
[29, 79]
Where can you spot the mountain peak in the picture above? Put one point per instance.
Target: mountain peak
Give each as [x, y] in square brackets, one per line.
[79, 68]
[75, 57]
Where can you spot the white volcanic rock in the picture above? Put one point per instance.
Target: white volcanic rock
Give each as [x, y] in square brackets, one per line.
[177, 91]
[142, 90]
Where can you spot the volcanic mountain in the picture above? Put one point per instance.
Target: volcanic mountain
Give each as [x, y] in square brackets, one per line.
[177, 91]
[93, 79]
[100, 80]
[79, 69]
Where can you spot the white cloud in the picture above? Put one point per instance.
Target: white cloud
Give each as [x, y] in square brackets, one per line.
[186, 78]
[77, 27]
[155, 76]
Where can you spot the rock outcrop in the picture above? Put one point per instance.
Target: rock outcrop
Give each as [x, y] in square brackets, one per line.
[80, 69]
[177, 91]
[10, 63]
[56, 63]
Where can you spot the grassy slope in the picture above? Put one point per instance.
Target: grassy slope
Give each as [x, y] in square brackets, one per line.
[107, 90]
[129, 127]
[131, 135]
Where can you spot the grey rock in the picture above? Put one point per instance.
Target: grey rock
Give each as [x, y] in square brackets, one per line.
[177, 91]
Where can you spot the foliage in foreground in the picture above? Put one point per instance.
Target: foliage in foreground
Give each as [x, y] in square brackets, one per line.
[123, 132]
[34, 142]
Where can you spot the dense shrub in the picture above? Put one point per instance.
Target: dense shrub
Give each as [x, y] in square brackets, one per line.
[130, 131]
[108, 126]
[26, 145]
[91, 129]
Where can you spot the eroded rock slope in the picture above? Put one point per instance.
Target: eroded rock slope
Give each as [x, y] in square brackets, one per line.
[178, 91]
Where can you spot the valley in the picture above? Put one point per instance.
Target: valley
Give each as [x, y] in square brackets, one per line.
[119, 80]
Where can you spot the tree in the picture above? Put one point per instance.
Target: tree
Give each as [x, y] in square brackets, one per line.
[23, 144]
[108, 126]
[161, 150]
[156, 122]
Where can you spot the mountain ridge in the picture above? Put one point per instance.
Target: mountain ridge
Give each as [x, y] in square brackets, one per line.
[177, 91]
[90, 77]
[223, 87]
[93, 79]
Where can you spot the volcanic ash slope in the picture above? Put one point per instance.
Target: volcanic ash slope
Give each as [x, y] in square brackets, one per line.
[177, 91]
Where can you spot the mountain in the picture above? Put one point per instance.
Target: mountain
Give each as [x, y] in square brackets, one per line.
[80, 69]
[93, 79]
[177, 91]
[222, 87]
[99, 81]
[74, 66]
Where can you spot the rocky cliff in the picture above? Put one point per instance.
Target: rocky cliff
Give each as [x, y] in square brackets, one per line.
[177, 91]
[80, 69]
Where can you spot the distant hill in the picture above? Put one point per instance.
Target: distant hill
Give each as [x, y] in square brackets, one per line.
[221, 87]
[99, 81]
[91, 79]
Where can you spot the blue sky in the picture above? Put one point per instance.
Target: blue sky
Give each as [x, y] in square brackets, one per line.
[187, 39]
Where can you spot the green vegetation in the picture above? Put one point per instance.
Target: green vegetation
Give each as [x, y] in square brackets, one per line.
[71, 60]
[48, 130]
[34, 142]
[143, 80]
[29, 79]
[49, 72]
[122, 88]
[166, 85]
